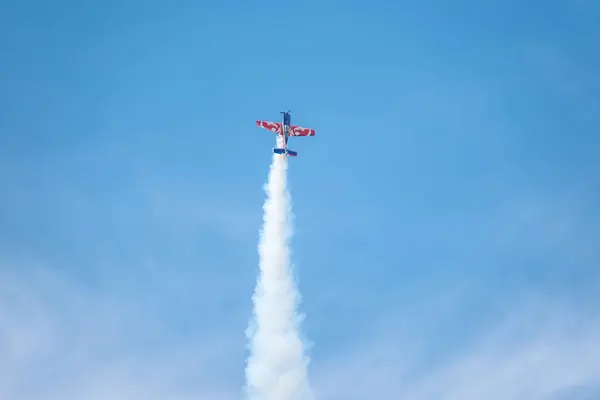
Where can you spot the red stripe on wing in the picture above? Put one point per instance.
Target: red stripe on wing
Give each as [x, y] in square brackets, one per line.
[301, 131]
[270, 126]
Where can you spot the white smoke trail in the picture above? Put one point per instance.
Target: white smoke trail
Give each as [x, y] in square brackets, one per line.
[277, 368]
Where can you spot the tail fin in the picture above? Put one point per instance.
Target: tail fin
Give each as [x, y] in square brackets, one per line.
[282, 151]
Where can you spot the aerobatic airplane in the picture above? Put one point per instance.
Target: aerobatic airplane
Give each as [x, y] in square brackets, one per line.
[285, 130]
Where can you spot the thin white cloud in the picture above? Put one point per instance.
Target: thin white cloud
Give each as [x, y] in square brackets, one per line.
[60, 342]
[543, 353]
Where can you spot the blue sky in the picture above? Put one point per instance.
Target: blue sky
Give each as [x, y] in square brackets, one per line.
[446, 212]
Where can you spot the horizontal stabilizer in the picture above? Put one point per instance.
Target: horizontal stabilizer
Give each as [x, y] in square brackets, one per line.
[282, 151]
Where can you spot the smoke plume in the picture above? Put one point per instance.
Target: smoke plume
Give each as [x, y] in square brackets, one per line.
[277, 368]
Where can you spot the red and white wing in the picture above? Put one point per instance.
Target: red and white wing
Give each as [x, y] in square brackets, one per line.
[300, 131]
[271, 126]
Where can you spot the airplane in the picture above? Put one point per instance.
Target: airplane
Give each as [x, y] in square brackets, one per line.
[285, 129]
